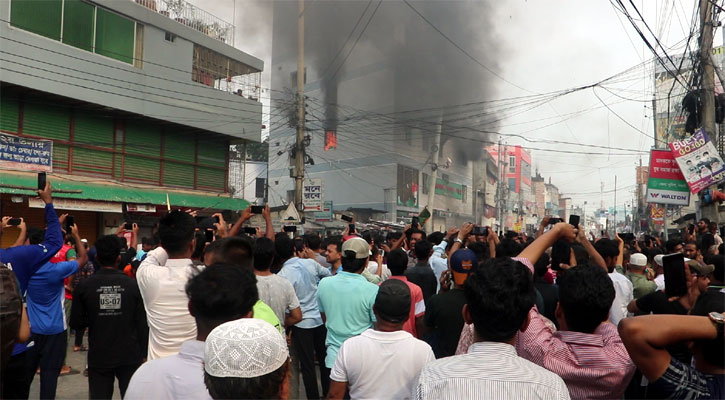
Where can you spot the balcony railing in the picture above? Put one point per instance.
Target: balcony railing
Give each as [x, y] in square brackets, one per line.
[193, 17]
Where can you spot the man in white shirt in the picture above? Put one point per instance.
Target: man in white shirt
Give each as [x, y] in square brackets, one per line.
[162, 283]
[383, 362]
[612, 251]
[499, 296]
[218, 294]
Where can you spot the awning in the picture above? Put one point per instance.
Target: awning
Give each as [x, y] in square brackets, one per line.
[86, 188]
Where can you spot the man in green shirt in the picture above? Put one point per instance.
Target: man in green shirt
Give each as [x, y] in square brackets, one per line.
[637, 274]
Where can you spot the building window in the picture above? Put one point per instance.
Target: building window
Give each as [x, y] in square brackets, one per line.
[259, 188]
[80, 24]
[426, 183]
[170, 37]
[512, 164]
[512, 184]
[464, 193]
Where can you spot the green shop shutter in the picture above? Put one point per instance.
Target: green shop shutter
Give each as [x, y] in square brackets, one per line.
[114, 36]
[9, 114]
[179, 147]
[179, 175]
[78, 24]
[142, 139]
[213, 153]
[37, 16]
[46, 121]
[96, 132]
[210, 178]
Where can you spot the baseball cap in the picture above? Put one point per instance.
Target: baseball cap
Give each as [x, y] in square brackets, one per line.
[638, 259]
[358, 245]
[393, 301]
[463, 262]
[244, 348]
[699, 268]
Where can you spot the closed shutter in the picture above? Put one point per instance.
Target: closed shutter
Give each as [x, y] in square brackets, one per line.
[38, 16]
[9, 114]
[179, 147]
[97, 132]
[114, 36]
[142, 140]
[212, 154]
[49, 122]
[78, 20]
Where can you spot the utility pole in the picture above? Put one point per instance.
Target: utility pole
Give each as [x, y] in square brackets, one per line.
[299, 147]
[708, 86]
[615, 203]
[499, 187]
[434, 175]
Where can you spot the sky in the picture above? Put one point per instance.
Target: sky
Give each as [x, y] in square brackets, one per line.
[548, 46]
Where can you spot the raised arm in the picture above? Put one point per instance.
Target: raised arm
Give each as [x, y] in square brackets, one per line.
[269, 229]
[594, 255]
[397, 243]
[80, 248]
[246, 215]
[620, 244]
[562, 230]
[646, 338]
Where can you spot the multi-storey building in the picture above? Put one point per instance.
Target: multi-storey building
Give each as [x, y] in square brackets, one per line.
[129, 106]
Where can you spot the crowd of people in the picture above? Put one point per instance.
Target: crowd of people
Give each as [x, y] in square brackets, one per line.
[207, 309]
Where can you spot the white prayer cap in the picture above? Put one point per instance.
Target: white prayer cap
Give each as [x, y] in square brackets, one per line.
[244, 348]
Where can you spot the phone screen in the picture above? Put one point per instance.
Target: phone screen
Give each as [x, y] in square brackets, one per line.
[351, 228]
[209, 236]
[414, 222]
[256, 210]
[290, 228]
[346, 218]
[674, 267]
[560, 253]
[69, 222]
[574, 220]
[128, 226]
[41, 180]
[14, 221]
[216, 219]
[299, 245]
[250, 231]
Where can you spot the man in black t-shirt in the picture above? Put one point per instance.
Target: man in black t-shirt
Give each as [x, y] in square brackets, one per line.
[443, 313]
[109, 303]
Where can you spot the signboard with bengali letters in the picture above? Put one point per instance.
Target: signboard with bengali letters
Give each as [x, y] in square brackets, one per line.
[665, 184]
[312, 197]
[699, 161]
[26, 154]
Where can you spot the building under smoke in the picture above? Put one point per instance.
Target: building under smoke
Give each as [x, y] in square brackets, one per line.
[381, 82]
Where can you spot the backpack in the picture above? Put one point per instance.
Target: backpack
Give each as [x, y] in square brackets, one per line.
[11, 311]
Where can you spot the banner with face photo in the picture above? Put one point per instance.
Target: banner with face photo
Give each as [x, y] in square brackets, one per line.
[699, 161]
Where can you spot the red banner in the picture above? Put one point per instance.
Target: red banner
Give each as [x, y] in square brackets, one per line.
[662, 165]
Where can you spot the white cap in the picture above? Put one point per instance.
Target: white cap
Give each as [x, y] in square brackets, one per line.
[84, 240]
[244, 348]
[658, 259]
[638, 259]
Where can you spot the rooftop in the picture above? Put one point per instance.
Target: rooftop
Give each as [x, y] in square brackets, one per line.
[193, 17]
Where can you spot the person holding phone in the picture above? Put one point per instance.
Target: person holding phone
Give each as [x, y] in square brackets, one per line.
[247, 214]
[10, 222]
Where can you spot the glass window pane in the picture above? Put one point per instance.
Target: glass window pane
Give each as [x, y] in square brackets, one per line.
[78, 24]
[114, 36]
[37, 16]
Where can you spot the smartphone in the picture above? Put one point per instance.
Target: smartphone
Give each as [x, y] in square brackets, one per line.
[250, 230]
[627, 237]
[574, 221]
[299, 245]
[674, 266]
[41, 180]
[14, 221]
[351, 228]
[414, 222]
[256, 210]
[128, 226]
[209, 235]
[346, 218]
[560, 253]
[479, 231]
[291, 228]
[216, 219]
[553, 221]
[691, 228]
[69, 222]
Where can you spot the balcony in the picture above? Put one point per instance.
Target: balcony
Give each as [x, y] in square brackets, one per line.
[193, 17]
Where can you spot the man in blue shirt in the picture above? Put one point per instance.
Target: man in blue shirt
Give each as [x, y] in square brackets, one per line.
[24, 261]
[48, 340]
[346, 299]
[308, 335]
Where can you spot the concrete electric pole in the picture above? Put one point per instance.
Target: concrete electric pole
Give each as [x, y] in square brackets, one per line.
[434, 176]
[299, 147]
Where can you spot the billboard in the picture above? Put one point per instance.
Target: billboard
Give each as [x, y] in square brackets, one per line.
[699, 160]
[449, 189]
[666, 185]
[26, 154]
[312, 194]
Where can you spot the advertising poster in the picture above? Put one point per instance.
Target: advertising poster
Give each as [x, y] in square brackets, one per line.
[665, 183]
[699, 161]
[26, 154]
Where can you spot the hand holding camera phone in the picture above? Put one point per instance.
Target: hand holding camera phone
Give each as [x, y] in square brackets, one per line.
[250, 230]
[69, 222]
[256, 210]
[675, 281]
[14, 221]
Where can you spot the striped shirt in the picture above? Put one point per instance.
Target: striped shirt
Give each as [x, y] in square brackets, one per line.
[489, 371]
[593, 365]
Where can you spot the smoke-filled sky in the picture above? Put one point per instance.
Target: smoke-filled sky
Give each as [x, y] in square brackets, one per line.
[535, 47]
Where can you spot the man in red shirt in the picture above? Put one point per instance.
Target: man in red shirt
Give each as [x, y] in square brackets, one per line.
[397, 264]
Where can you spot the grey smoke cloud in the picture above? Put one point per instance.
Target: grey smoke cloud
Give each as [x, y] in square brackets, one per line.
[429, 72]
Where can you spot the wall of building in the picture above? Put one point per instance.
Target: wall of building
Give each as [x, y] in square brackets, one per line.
[160, 88]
